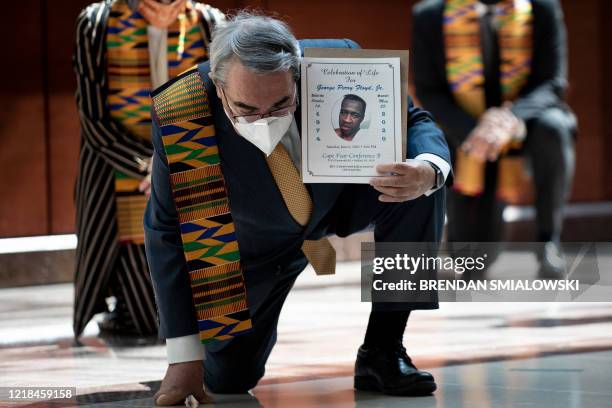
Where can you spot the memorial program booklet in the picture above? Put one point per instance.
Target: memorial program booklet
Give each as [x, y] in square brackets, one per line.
[354, 113]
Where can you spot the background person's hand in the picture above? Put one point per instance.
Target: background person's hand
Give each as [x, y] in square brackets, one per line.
[145, 184]
[403, 181]
[161, 15]
[181, 381]
[496, 128]
[485, 142]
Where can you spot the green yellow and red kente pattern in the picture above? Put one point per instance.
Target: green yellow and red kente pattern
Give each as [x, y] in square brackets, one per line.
[200, 196]
[129, 89]
[465, 74]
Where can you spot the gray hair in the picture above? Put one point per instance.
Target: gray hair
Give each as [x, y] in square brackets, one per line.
[262, 44]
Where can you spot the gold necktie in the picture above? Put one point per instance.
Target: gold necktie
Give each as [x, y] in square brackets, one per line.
[320, 253]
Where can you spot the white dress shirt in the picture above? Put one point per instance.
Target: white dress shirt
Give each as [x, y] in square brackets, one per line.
[158, 55]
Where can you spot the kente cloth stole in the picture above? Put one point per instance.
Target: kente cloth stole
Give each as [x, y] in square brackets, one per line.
[200, 196]
[129, 88]
[465, 74]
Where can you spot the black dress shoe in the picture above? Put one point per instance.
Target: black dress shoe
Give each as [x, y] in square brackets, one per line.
[391, 372]
[114, 323]
[552, 263]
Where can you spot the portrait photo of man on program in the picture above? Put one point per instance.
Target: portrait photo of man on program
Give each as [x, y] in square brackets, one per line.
[352, 113]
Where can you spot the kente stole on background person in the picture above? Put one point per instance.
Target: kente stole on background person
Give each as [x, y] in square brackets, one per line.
[465, 73]
[129, 88]
[182, 109]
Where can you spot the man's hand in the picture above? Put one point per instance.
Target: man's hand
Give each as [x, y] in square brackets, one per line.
[161, 15]
[496, 128]
[181, 381]
[404, 181]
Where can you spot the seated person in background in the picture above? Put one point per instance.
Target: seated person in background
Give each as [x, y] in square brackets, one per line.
[493, 72]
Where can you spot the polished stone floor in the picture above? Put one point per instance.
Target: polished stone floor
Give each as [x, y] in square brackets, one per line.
[482, 354]
[564, 381]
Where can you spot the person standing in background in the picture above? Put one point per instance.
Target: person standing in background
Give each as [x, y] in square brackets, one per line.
[123, 50]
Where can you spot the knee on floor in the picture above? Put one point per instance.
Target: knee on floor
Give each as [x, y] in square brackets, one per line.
[238, 381]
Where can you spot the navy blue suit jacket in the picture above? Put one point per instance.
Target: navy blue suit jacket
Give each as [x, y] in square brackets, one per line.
[267, 234]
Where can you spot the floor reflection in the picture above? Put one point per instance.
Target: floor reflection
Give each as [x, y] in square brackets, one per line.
[482, 354]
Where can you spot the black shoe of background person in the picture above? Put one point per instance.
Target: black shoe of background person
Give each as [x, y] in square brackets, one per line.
[116, 324]
[391, 372]
[552, 262]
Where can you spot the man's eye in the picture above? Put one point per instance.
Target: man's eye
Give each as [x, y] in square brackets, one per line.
[248, 115]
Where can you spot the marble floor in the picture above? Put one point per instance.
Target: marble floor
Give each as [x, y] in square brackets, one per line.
[482, 354]
[563, 381]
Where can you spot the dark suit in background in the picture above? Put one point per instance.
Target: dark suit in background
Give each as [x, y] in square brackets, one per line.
[550, 124]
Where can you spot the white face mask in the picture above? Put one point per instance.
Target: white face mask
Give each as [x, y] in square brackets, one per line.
[264, 133]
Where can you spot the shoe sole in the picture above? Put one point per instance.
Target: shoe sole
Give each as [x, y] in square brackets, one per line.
[417, 389]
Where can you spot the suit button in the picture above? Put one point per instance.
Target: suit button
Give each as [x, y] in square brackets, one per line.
[279, 269]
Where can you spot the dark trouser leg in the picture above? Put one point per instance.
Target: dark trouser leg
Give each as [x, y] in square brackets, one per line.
[235, 366]
[386, 329]
[382, 363]
[419, 220]
[131, 285]
[137, 289]
[550, 147]
[477, 219]
[358, 208]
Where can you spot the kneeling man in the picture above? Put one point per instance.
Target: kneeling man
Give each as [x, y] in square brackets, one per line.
[229, 225]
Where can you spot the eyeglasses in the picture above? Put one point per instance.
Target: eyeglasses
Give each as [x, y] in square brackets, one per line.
[276, 113]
